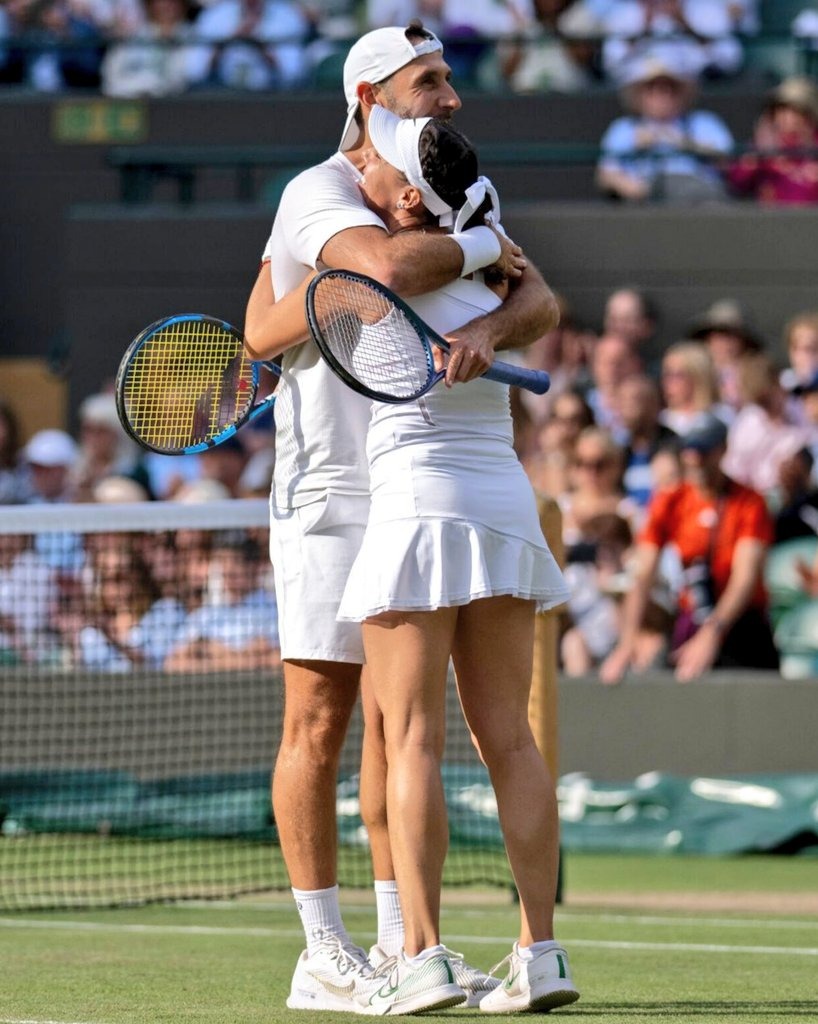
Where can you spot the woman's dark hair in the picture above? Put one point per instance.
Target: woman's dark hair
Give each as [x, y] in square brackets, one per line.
[449, 164]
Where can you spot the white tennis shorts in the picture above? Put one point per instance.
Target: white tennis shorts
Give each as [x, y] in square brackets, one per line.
[312, 549]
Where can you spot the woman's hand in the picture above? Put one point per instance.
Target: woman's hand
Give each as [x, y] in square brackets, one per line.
[614, 667]
[697, 655]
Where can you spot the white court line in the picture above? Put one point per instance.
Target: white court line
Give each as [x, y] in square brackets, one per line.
[262, 933]
[14, 1020]
[605, 917]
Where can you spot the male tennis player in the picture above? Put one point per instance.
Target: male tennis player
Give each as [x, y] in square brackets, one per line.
[320, 496]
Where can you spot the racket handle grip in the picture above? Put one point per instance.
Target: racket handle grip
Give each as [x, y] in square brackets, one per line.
[537, 381]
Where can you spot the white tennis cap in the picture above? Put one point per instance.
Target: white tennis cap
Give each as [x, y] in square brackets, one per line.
[396, 139]
[375, 57]
[51, 448]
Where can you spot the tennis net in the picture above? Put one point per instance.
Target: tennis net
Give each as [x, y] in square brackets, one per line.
[140, 713]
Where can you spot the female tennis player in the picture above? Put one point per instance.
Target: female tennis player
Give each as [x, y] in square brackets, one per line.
[454, 562]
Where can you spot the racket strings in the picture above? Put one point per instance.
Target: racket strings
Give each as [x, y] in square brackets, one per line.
[186, 383]
[372, 340]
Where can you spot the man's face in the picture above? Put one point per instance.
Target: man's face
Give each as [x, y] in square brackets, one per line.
[422, 88]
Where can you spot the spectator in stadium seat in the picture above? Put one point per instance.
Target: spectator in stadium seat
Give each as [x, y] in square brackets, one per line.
[782, 167]
[640, 403]
[549, 460]
[807, 393]
[662, 150]
[562, 54]
[13, 488]
[251, 44]
[49, 458]
[239, 630]
[725, 329]
[153, 60]
[563, 353]
[104, 448]
[58, 49]
[797, 514]
[595, 486]
[224, 464]
[693, 37]
[800, 338]
[762, 435]
[612, 360]
[29, 593]
[721, 531]
[122, 622]
[629, 313]
[689, 387]
[474, 30]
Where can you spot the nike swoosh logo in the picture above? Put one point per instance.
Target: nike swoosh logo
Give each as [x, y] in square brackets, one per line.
[385, 991]
[338, 990]
[511, 979]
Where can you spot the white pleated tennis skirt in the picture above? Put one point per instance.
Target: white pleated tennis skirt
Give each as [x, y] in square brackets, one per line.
[424, 564]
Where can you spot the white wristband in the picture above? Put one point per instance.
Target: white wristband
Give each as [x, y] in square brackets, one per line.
[481, 248]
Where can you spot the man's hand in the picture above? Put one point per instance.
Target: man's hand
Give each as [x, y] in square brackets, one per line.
[511, 262]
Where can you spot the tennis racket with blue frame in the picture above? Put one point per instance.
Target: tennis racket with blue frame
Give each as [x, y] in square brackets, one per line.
[186, 384]
[379, 346]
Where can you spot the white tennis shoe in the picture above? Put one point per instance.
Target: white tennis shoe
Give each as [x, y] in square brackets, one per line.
[542, 983]
[329, 978]
[397, 986]
[474, 982]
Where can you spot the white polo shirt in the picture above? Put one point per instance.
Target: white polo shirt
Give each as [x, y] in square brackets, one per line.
[321, 424]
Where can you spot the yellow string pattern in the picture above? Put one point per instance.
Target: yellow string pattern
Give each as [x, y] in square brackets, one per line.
[187, 383]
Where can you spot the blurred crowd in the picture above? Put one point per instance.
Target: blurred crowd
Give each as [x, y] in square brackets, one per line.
[179, 600]
[159, 47]
[700, 452]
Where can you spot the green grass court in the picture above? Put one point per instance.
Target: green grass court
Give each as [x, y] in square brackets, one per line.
[669, 939]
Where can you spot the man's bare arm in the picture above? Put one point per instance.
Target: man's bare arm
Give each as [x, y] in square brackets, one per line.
[411, 262]
[529, 311]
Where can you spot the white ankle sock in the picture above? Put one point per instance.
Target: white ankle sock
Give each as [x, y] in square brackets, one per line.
[424, 954]
[529, 952]
[320, 914]
[390, 919]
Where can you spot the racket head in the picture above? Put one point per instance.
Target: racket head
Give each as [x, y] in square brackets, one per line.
[369, 337]
[185, 384]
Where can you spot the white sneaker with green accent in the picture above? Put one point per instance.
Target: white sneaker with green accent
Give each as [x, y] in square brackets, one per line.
[474, 982]
[329, 978]
[542, 983]
[398, 986]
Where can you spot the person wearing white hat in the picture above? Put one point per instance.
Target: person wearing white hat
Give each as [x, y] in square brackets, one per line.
[661, 148]
[320, 495]
[453, 562]
[49, 456]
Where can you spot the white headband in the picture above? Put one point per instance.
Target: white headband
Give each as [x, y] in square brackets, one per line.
[396, 139]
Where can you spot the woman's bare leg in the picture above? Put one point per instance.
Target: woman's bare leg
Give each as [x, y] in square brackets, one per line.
[408, 657]
[493, 657]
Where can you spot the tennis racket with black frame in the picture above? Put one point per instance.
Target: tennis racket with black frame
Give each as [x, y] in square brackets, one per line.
[186, 384]
[379, 346]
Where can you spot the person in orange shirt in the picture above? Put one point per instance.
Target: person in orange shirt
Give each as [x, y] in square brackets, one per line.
[721, 531]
